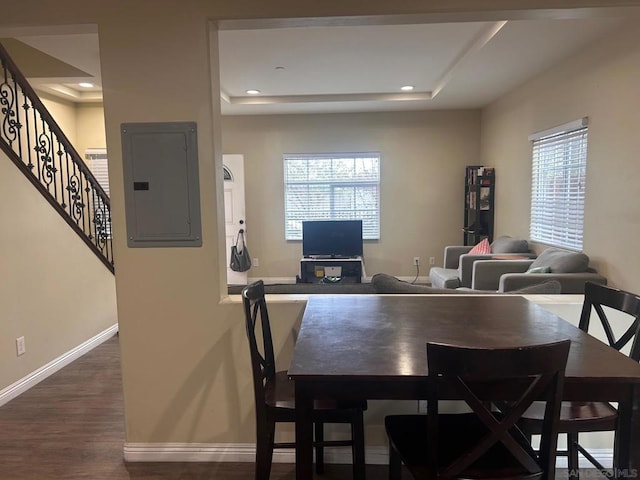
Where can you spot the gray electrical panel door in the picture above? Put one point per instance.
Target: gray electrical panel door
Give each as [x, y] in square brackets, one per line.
[162, 193]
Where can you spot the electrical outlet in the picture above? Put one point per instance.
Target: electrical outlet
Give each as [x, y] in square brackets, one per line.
[21, 348]
[416, 261]
[432, 260]
[255, 262]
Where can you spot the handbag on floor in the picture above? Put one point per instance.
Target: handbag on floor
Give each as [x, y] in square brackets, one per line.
[240, 259]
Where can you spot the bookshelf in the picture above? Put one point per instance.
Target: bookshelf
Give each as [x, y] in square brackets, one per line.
[480, 184]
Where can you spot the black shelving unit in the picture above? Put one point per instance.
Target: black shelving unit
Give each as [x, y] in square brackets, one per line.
[479, 194]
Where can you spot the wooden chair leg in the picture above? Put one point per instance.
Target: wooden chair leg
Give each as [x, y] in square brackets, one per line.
[395, 465]
[264, 452]
[357, 435]
[319, 434]
[572, 456]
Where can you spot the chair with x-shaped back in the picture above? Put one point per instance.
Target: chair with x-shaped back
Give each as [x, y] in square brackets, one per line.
[275, 396]
[485, 443]
[576, 417]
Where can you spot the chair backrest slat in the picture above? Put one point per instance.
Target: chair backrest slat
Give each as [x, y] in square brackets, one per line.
[596, 297]
[512, 377]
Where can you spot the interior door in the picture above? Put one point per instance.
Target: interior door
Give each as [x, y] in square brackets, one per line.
[234, 217]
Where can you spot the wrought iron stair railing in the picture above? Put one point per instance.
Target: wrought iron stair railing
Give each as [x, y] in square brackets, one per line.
[32, 139]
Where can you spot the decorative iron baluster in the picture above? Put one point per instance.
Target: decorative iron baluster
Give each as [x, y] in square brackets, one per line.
[45, 158]
[53, 162]
[68, 182]
[60, 174]
[86, 208]
[26, 108]
[8, 102]
[76, 198]
[18, 125]
[99, 220]
[36, 147]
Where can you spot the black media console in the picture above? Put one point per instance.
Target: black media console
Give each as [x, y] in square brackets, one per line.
[331, 270]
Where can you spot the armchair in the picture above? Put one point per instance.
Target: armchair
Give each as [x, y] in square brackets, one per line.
[570, 269]
[458, 262]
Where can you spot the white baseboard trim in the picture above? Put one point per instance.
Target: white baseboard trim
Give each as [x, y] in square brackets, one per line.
[35, 377]
[234, 452]
[246, 452]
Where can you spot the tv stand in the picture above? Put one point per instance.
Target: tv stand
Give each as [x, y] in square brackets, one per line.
[331, 270]
[330, 257]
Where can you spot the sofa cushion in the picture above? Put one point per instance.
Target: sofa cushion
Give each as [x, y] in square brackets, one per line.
[547, 287]
[444, 277]
[384, 283]
[550, 287]
[545, 269]
[507, 244]
[561, 261]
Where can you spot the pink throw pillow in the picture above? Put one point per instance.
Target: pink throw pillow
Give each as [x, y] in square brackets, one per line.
[482, 248]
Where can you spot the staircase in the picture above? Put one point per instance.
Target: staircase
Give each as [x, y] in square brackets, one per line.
[32, 139]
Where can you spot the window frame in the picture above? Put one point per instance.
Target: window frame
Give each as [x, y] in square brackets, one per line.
[558, 185]
[371, 222]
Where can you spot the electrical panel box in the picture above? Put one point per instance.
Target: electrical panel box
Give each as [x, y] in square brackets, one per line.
[162, 193]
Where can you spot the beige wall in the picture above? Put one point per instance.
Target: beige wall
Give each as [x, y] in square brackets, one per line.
[64, 114]
[90, 127]
[423, 155]
[82, 123]
[185, 363]
[53, 290]
[601, 83]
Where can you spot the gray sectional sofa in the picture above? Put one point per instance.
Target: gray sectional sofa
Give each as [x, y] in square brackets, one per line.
[512, 266]
[458, 262]
[570, 269]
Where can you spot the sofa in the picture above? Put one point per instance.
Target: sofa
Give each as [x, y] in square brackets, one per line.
[570, 269]
[388, 284]
[458, 262]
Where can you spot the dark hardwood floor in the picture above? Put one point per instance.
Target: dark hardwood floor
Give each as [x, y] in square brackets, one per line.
[71, 426]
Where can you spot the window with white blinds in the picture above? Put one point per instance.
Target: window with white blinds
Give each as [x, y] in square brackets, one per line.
[558, 185]
[97, 161]
[332, 187]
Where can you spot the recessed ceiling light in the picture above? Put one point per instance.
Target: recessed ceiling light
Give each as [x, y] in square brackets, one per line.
[85, 84]
[253, 92]
[407, 88]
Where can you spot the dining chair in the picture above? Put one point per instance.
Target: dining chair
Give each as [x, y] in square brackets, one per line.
[275, 396]
[485, 443]
[576, 417]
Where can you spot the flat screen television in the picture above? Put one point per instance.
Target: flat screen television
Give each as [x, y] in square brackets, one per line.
[332, 238]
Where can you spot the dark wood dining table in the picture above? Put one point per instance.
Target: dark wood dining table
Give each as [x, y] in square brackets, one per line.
[374, 347]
